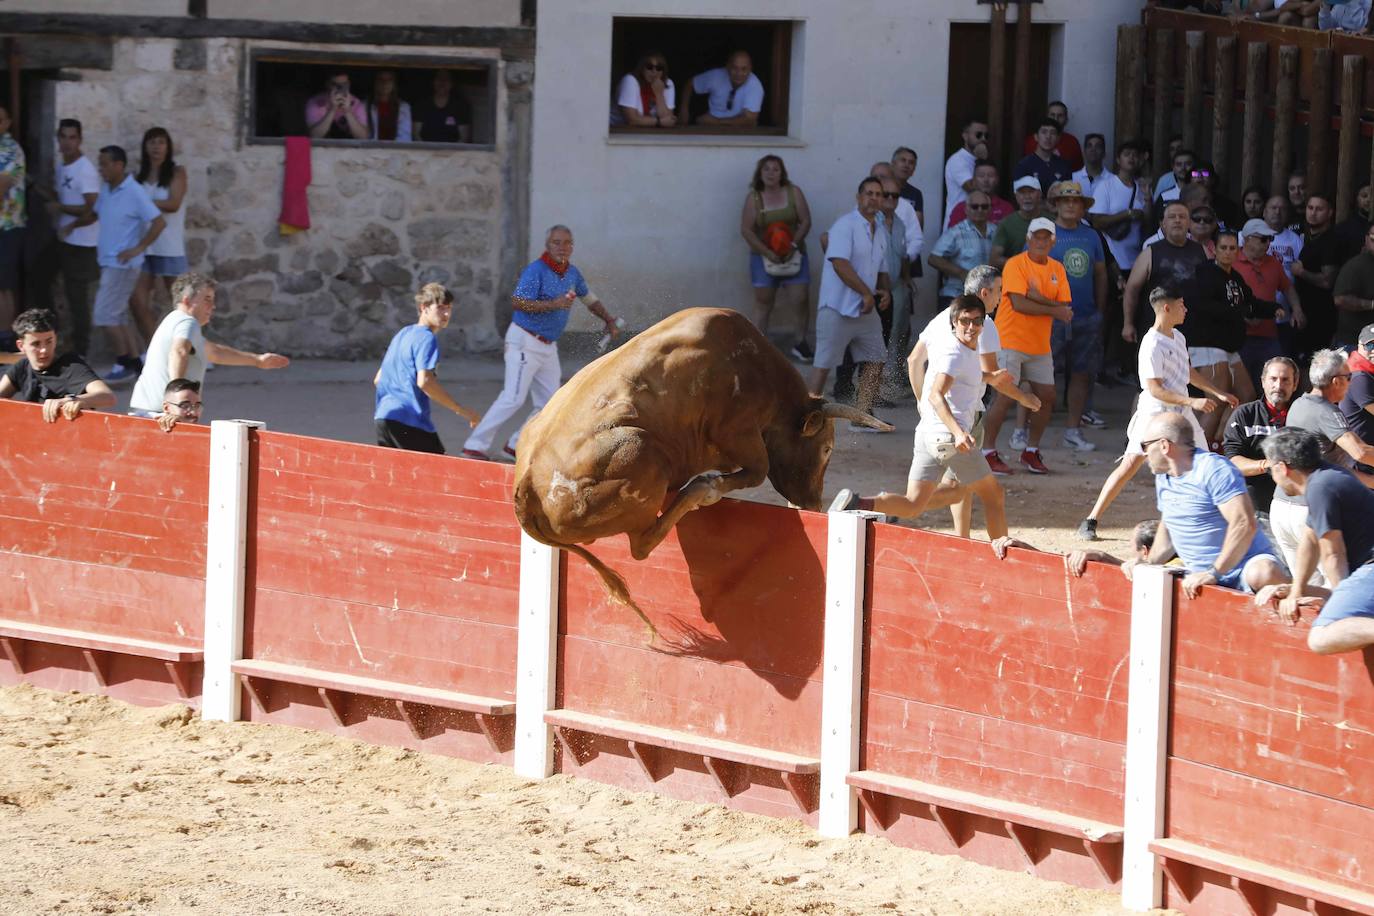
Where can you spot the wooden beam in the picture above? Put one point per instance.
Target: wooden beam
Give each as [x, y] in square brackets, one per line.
[1285, 100]
[1192, 89]
[86, 24]
[1130, 73]
[997, 83]
[1162, 67]
[1256, 55]
[1348, 143]
[1223, 100]
[1020, 81]
[1319, 122]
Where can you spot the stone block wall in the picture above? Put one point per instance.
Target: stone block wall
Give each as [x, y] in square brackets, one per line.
[384, 219]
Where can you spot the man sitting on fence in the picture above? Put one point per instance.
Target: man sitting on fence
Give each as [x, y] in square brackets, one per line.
[64, 385]
[1339, 537]
[1205, 513]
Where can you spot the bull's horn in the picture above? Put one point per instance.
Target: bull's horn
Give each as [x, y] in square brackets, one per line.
[854, 414]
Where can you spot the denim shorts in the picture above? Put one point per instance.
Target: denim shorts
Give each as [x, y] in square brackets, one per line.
[1078, 344]
[761, 280]
[164, 265]
[1354, 597]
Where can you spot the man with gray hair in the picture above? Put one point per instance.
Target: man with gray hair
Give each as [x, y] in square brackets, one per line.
[1338, 536]
[1318, 412]
[543, 301]
[179, 348]
[1205, 513]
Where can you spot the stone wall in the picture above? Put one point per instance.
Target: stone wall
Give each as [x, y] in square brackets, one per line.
[384, 219]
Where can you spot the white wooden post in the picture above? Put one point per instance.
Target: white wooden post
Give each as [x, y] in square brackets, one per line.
[842, 670]
[226, 551]
[536, 658]
[1147, 735]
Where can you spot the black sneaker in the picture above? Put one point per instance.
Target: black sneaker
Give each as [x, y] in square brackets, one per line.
[803, 352]
[1087, 530]
[845, 501]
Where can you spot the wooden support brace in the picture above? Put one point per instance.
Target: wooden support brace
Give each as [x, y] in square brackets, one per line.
[1108, 865]
[97, 663]
[1183, 877]
[646, 755]
[336, 703]
[14, 651]
[411, 714]
[579, 755]
[1026, 840]
[952, 823]
[259, 699]
[803, 789]
[177, 673]
[1321, 908]
[726, 774]
[487, 725]
[1254, 896]
[878, 807]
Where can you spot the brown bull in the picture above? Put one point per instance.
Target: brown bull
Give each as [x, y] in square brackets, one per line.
[698, 405]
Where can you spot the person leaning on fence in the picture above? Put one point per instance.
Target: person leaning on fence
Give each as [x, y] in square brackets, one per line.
[1205, 513]
[180, 404]
[1338, 537]
[1142, 543]
[64, 385]
[408, 379]
[1254, 421]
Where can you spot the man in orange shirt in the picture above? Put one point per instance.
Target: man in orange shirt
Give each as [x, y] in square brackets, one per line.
[1035, 292]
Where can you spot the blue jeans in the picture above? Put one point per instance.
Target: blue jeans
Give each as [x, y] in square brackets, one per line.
[1354, 597]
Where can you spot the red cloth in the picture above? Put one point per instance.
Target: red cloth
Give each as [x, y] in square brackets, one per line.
[1067, 149]
[646, 98]
[1358, 362]
[295, 206]
[777, 236]
[554, 266]
[386, 119]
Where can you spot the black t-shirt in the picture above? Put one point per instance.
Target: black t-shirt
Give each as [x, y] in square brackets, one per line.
[1337, 501]
[1217, 313]
[1350, 235]
[68, 375]
[1245, 433]
[1357, 396]
[1047, 173]
[1318, 252]
[918, 201]
[440, 125]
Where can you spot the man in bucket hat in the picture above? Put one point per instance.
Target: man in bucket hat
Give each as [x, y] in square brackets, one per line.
[1077, 346]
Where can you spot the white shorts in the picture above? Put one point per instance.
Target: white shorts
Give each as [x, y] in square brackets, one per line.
[1202, 357]
[1135, 430]
[1038, 369]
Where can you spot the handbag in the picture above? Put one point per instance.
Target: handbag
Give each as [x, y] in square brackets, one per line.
[1119, 231]
[788, 268]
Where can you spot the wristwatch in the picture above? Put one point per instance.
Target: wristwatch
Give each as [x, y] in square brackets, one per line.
[1216, 573]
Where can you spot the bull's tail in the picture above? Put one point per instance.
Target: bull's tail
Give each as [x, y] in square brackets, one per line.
[615, 585]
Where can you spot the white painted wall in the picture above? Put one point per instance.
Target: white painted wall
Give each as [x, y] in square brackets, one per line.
[656, 218]
[487, 13]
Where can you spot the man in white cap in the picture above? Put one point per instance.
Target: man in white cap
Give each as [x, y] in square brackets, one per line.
[1035, 291]
[1010, 237]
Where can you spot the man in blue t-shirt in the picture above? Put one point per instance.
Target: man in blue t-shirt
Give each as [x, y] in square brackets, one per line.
[1206, 516]
[1339, 536]
[407, 381]
[1077, 346]
[543, 301]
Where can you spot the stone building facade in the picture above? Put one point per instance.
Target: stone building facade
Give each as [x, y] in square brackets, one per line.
[385, 218]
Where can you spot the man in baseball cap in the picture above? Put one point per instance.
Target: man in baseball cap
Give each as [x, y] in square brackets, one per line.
[1035, 291]
[1256, 227]
[1358, 404]
[1010, 237]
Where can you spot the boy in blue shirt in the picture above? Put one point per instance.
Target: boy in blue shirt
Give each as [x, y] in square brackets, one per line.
[407, 380]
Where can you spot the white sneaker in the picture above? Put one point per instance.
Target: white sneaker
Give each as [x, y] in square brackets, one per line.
[1074, 439]
[1019, 439]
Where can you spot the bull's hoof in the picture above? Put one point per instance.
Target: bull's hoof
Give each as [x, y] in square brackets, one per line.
[703, 491]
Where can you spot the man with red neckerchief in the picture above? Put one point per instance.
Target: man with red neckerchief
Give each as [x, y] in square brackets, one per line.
[1358, 403]
[543, 301]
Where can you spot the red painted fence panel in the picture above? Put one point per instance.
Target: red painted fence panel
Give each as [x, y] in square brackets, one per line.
[1003, 678]
[385, 564]
[1271, 746]
[102, 530]
[737, 593]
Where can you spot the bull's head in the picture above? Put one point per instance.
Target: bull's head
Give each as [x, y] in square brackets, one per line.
[798, 457]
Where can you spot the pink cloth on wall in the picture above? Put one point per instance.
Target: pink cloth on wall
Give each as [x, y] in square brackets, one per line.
[295, 206]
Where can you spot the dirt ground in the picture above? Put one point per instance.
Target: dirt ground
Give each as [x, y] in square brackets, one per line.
[334, 400]
[110, 808]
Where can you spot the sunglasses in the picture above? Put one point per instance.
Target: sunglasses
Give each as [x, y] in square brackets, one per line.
[659, 67]
[891, 195]
[1203, 219]
[1145, 445]
[978, 206]
[970, 322]
[1201, 173]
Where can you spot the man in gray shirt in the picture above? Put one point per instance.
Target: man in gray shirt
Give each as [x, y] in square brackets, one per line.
[1318, 412]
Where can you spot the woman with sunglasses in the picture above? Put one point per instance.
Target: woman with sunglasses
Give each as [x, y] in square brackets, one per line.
[1202, 228]
[645, 98]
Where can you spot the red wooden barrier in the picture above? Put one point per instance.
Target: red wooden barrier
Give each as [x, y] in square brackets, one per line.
[1006, 680]
[1270, 755]
[102, 555]
[398, 568]
[737, 592]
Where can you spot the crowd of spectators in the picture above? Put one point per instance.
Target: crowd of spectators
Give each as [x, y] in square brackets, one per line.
[1342, 15]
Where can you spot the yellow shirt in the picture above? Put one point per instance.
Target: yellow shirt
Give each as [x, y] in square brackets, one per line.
[1029, 333]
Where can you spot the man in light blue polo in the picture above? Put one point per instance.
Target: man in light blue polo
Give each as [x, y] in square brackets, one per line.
[129, 223]
[735, 94]
[854, 286]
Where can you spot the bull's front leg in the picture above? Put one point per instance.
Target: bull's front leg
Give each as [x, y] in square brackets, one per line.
[702, 490]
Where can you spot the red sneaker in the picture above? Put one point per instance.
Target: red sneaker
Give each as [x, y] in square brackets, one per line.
[999, 467]
[1031, 461]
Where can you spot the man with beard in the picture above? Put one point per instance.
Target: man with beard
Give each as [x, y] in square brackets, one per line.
[1314, 274]
[1253, 422]
[1173, 261]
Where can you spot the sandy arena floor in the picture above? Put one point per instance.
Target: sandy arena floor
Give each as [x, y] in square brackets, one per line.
[110, 808]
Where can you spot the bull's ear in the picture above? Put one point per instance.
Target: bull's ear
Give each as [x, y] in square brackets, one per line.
[813, 422]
